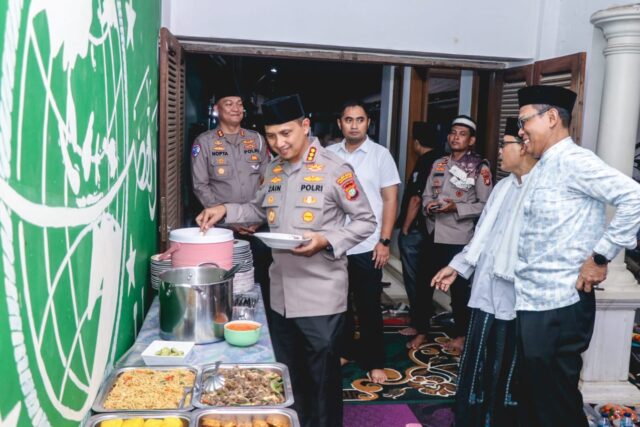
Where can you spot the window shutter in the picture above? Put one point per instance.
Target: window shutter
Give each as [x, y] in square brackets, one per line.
[568, 72]
[171, 123]
[514, 79]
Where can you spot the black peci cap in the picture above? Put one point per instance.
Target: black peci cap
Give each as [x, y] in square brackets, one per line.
[550, 95]
[426, 133]
[282, 110]
[511, 127]
[226, 86]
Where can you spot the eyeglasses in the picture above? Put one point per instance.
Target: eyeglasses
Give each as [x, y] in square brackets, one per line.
[525, 119]
[502, 143]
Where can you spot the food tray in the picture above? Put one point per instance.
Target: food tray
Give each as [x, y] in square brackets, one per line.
[274, 367]
[229, 414]
[108, 383]
[97, 419]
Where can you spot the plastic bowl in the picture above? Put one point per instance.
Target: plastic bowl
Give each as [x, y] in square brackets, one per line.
[242, 333]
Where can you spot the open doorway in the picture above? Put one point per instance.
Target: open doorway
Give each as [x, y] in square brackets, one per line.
[322, 86]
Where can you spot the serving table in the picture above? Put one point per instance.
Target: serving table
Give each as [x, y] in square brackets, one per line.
[202, 354]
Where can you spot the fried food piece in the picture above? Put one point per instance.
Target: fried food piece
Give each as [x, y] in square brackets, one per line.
[133, 422]
[111, 423]
[277, 420]
[210, 422]
[172, 422]
[260, 423]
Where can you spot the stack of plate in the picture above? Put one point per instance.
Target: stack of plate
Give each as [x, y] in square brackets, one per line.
[243, 280]
[157, 267]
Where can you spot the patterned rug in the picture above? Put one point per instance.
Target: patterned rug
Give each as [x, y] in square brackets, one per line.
[414, 376]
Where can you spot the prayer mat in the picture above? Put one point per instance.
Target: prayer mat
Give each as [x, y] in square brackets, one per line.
[378, 416]
[430, 372]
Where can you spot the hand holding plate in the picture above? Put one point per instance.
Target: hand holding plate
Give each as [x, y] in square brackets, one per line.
[318, 242]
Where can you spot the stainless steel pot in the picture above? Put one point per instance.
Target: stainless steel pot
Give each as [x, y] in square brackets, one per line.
[195, 303]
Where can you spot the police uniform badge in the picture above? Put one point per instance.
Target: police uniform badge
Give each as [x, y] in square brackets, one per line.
[486, 176]
[315, 167]
[348, 184]
[195, 150]
[311, 155]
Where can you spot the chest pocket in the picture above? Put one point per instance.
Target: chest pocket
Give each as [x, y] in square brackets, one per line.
[458, 194]
[272, 206]
[222, 172]
[252, 155]
[309, 210]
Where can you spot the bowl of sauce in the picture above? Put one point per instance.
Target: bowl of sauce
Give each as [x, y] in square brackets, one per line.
[242, 333]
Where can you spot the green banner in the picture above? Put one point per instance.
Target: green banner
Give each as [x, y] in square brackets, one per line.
[78, 132]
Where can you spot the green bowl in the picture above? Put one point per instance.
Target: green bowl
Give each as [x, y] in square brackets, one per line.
[242, 338]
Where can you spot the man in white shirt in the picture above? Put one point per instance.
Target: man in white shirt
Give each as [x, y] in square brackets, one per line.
[379, 178]
[563, 250]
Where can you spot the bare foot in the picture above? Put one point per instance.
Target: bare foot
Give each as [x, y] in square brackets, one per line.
[408, 332]
[378, 375]
[344, 361]
[456, 344]
[417, 341]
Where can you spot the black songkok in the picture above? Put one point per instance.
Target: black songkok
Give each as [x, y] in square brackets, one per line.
[282, 110]
[555, 96]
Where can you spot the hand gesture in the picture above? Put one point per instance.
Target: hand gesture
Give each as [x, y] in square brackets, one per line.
[318, 242]
[591, 274]
[210, 216]
[444, 279]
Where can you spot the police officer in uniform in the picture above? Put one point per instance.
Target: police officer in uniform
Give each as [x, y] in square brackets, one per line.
[307, 191]
[455, 194]
[227, 166]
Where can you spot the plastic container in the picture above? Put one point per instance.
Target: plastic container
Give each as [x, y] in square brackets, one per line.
[189, 248]
[626, 421]
[152, 359]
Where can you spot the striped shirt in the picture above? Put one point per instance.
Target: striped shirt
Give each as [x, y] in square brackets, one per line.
[565, 222]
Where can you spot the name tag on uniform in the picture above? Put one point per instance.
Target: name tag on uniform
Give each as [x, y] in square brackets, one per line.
[458, 173]
[459, 183]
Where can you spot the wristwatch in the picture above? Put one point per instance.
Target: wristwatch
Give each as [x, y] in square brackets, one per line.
[599, 259]
[385, 242]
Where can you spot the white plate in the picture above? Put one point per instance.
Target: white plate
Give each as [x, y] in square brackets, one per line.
[150, 358]
[282, 240]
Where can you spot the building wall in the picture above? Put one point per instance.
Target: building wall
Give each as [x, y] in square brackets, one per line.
[461, 27]
[78, 132]
[517, 32]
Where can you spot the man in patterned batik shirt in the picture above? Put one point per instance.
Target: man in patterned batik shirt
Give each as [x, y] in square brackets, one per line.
[563, 250]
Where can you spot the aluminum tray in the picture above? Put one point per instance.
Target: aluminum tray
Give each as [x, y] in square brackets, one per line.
[276, 367]
[233, 413]
[107, 384]
[97, 419]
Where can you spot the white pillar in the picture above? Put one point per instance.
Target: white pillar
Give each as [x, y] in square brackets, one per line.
[606, 363]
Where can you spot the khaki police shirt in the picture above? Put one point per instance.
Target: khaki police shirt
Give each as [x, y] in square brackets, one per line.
[227, 168]
[456, 228]
[315, 194]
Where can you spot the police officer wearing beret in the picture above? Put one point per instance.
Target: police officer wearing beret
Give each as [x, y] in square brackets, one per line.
[457, 189]
[227, 166]
[307, 191]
